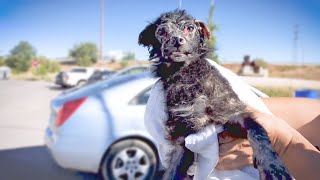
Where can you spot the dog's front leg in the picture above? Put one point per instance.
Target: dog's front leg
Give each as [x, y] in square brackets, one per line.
[180, 160]
[266, 160]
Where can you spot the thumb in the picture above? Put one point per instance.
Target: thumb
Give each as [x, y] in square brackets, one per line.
[199, 142]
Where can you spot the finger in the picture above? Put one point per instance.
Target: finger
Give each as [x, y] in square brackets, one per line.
[234, 161]
[225, 137]
[236, 145]
[192, 169]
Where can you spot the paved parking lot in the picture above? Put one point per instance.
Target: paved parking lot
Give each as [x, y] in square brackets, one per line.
[23, 117]
[24, 112]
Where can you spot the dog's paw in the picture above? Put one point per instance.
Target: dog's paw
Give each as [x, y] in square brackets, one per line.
[272, 175]
[270, 171]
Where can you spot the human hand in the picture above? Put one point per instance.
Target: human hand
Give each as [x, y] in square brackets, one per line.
[235, 153]
[279, 132]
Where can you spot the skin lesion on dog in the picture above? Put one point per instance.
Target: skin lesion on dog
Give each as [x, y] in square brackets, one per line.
[197, 95]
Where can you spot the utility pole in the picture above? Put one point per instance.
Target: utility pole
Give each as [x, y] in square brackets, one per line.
[101, 28]
[180, 4]
[295, 43]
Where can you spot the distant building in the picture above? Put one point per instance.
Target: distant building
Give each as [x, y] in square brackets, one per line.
[116, 55]
[66, 60]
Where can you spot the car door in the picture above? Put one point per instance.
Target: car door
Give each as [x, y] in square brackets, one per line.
[134, 114]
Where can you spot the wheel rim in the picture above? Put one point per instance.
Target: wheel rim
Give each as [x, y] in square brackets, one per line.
[130, 164]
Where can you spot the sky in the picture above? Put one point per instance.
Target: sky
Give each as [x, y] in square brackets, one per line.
[260, 28]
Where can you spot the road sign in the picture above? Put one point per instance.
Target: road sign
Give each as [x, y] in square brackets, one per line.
[35, 62]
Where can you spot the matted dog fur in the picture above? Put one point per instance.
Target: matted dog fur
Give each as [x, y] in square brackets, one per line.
[197, 95]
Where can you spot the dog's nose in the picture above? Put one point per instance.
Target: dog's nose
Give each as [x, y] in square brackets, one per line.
[177, 41]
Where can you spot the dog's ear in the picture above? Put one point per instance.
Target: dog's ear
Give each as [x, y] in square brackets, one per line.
[203, 29]
[147, 36]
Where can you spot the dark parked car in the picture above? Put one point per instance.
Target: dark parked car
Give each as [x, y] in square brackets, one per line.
[99, 75]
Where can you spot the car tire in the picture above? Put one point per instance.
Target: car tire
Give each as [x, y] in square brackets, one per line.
[81, 83]
[129, 159]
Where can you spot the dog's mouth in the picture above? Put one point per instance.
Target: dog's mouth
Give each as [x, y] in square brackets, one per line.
[176, 56]
[179, 56]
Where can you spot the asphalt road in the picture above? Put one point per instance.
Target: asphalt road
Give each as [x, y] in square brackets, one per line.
[23, 117]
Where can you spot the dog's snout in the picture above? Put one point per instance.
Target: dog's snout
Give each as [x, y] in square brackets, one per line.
[177, 41]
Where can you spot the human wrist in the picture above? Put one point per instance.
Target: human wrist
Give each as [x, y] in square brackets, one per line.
[279, 132]
[302, 151]
[283, 139]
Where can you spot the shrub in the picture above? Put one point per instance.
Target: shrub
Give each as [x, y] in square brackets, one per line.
[50, 65]
[124, 63]
[129, 56]
[261, 62]
[277, 91]
[2, 61]
[20, 57]
[46, 66]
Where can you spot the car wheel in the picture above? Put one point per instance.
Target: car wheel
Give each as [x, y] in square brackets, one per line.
[130, 159]
[81, 83]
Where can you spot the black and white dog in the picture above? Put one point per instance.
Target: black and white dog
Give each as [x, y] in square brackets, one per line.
[197, 95]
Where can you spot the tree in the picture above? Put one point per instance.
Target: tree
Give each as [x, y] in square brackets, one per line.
[85, 54]
[129, 56]
[21, 56]
[2, 61]
[212, 41]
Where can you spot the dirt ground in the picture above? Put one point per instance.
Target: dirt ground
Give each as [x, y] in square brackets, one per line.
[310, 72]
[307, 72]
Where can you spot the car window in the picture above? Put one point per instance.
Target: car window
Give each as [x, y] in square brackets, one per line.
[96, 75]
[79, 70]
[135, 70]
[141, 98]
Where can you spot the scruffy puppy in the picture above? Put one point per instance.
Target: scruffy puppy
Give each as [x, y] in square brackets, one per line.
[197, 95]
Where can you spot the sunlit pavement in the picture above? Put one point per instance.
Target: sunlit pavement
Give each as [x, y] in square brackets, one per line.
[24, 114]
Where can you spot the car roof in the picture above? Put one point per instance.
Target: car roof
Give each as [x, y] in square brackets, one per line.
[97, 87]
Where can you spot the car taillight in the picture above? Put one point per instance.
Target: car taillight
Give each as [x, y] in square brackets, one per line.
[68, 109]
[65, 76]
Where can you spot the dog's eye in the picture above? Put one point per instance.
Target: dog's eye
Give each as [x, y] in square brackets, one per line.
[190, 28]
[161, 31]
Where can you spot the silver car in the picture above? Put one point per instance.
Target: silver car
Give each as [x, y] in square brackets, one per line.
[99, 128]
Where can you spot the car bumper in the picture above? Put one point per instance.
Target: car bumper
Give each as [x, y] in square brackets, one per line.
[73, 152]
[61, 82]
